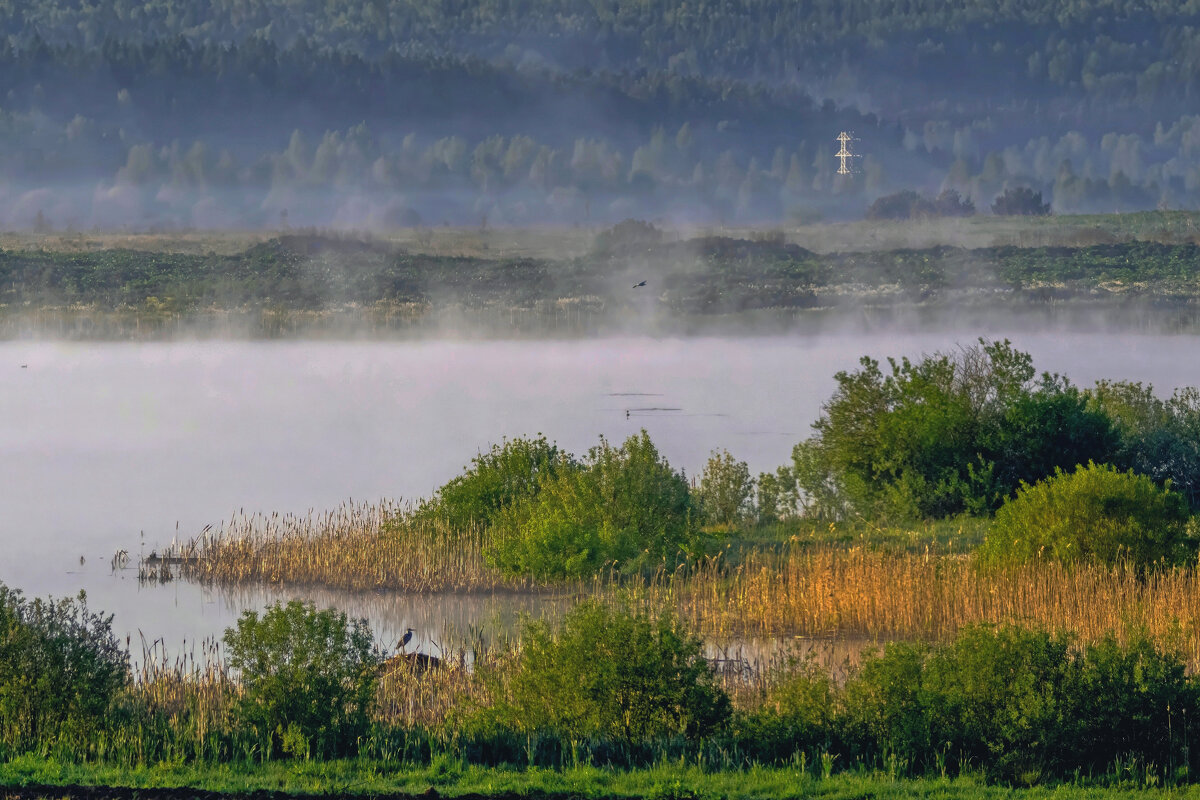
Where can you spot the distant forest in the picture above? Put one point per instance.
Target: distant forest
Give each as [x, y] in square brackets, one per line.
[162, 114]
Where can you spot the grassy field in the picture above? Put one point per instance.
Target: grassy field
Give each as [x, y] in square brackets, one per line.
[673, 781]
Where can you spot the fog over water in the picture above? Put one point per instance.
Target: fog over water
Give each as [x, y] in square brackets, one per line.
[102, 443]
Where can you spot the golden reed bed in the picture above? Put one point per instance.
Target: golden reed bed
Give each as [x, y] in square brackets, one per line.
[797, 591]
[355, 546]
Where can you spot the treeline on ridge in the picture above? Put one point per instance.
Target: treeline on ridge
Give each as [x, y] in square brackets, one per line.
[1092, 104]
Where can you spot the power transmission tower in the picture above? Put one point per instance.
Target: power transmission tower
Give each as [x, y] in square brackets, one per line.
[844, 155]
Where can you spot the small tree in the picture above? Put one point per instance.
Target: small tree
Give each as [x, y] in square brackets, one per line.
[952, 204]
[308, 678]
[630, 234]
[1020, 201]
[725, 489]
[777, 495]
[905, 204]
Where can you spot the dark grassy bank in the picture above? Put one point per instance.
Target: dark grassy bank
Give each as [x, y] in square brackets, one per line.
[33, 779]
[308, 283]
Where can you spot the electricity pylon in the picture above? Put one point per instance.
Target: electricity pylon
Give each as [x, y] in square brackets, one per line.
[844, 155]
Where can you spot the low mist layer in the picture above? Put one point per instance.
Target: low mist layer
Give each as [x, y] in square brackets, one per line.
[632, 278]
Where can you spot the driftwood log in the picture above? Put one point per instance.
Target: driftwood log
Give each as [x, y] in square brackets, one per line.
[416, 663]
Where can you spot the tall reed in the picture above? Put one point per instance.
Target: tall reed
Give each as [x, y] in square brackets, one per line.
[355, 546]
[880, 595]
[798, 590]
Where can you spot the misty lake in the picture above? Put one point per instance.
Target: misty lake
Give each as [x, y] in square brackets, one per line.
[128, 446]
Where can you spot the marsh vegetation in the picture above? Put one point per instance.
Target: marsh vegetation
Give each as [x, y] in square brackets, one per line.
[914, 629]
[1022, 661]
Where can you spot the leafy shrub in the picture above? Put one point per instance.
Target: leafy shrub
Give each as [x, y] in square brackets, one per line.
[952, 204]
[1095, 512]
[625, 505]
[1002, 698]
[1021, 704]
[725, 490]
[883, 709]
[613, 673]
[907, 204]
[1132, 699]
[61, 668]
[510, 472]
[308, 679]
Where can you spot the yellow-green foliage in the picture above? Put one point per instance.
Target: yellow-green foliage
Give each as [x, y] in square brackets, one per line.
[511, 472]
[612, 672]
[625, 506]
[1095, 512]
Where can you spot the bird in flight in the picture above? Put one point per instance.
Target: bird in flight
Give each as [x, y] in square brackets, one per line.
[639, 285]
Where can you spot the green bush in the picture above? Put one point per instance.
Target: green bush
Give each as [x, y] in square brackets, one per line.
[1002, 698]
[509, 473]
[623, 506]
[883, 710]
[1095, 512]
[308, 679]
[613, 673]
[61, 668]
[630, 235]
[725, 490]
[1132, 699]
[1021, 705]
[944, 435]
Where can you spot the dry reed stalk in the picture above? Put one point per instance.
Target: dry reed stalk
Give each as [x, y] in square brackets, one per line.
[356, 546]
[191, 692]
[859, 592]
[196, 694]
[411, 697]
[798, 592]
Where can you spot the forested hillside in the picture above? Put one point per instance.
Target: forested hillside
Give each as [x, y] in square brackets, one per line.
[182, 113]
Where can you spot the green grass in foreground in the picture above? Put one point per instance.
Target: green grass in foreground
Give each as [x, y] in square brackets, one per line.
[663, 782]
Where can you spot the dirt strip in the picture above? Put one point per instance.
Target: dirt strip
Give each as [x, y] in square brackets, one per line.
[37, 791]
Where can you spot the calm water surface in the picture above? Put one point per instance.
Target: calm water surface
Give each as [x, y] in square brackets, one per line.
[104, 447]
